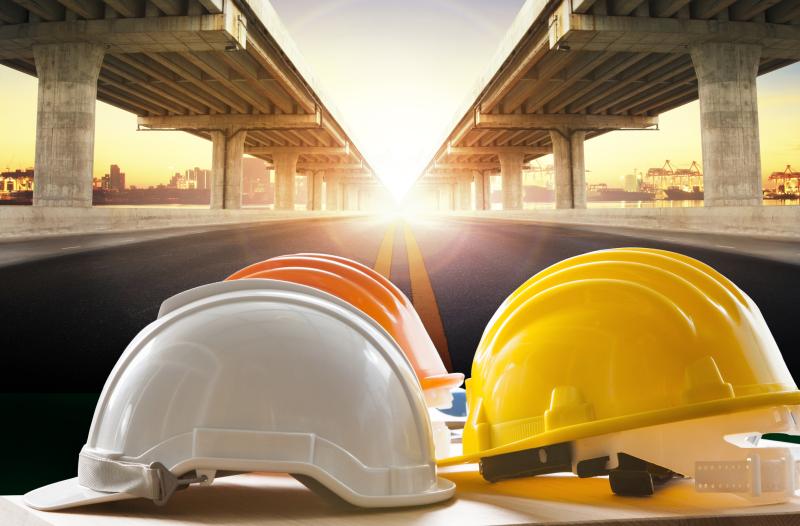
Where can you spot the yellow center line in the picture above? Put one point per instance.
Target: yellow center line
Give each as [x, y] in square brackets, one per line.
[424, 299]
[383, 264]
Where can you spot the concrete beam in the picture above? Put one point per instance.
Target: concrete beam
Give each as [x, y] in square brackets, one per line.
[298, 150]
[177, 65]
[334, 131]
[11, 13]
[275, 66]
[670, 35]
[65, 123]
[126, 35]
[240, 65]
[496, 150]
[466, 166]
[44, 9]
[349, 167]
[213, 6]
[88, 9]
[555, 121]
[515, 73]
[227, 121]
[219, 70]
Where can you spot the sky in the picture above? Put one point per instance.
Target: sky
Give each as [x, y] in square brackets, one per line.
[398, 71]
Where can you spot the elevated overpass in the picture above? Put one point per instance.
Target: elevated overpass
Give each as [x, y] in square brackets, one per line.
[224, 70]
[570, 70]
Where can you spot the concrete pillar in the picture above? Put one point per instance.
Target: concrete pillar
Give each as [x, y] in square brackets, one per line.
[217, 184]
[511, 171]
[333, 192]
[349, 201]
[315, 186]
[226, 168]
[309, 189]
[726, 78]
[578, 169]
[570, 172]
[65, 123]
[480, 195]
[562, 170]
[363, 198]
[285, 170]
[487, 190]
[464, 191]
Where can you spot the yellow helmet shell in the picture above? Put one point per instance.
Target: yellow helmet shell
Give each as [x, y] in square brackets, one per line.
[613, 340]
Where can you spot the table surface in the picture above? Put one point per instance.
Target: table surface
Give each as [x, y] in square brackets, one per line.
[260, 499]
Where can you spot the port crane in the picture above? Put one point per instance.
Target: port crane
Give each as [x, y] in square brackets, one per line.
[786, 182]
[668, 176]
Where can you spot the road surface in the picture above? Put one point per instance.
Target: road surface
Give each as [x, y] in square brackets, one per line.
[67, 313]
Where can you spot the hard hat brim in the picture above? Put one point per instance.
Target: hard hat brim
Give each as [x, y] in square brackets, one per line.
[442, 381]
[613, 425]
[68, 494]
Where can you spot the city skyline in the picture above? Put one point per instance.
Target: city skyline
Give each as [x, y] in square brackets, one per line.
[402, 90]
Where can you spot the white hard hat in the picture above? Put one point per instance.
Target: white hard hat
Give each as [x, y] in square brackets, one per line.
[257, 375]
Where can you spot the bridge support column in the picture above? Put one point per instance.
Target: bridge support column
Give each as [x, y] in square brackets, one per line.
[333, 192]
[226, 168]
[726, 77]
[363, 198]
[347, 198]
[487, 190]
[570, 172]
[480, 195]
[285, 171]
[315, 187]
[464, 193]
[511, 172]
[65, 123]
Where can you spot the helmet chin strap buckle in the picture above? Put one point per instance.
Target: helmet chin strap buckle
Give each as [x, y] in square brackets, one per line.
[169, 483]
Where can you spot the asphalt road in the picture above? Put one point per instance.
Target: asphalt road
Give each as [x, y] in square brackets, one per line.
[65, 318]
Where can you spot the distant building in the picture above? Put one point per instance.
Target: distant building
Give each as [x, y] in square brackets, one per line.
[631, 183]
[178, 181]
[16, 181]
[114, 180]
[198, 178]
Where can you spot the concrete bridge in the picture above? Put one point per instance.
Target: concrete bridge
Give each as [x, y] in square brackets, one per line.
[570, 70]
[224, 70]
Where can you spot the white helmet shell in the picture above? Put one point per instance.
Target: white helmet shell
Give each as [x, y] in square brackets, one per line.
[258, 375]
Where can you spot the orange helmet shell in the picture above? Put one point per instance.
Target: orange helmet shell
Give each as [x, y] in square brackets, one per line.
[373, 294]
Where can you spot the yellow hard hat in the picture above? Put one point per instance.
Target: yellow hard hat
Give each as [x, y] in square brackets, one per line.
[611, 341]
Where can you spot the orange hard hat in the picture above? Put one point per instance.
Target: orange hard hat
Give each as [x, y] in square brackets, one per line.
[373, 294]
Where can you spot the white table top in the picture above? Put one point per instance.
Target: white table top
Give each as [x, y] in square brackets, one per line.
[277, 499]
